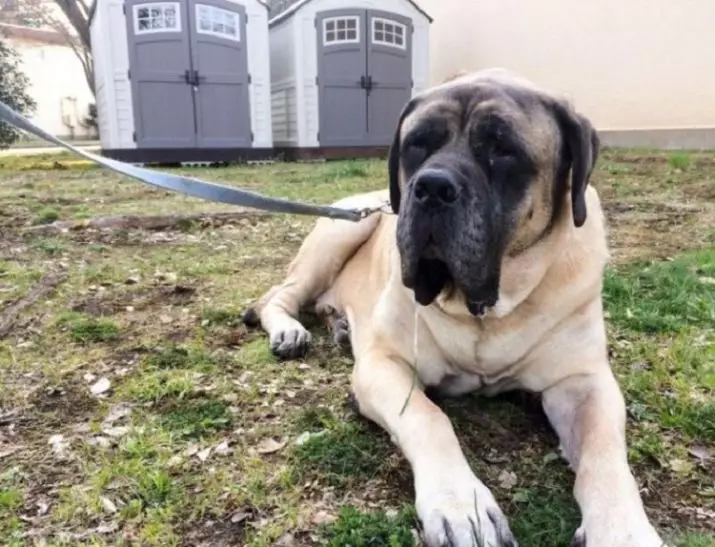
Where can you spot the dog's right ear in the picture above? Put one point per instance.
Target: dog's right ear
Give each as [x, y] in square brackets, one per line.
[393, 159]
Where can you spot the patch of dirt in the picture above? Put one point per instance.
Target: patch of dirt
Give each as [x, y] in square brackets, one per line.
[639, 230]
[60, 405]
[106, 303]
[226, 532]
[703, 190]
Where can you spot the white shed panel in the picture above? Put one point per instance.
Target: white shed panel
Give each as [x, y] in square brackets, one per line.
[182, 80]
[341, 70]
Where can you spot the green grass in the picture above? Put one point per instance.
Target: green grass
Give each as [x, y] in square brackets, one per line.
[680, 160]
[158, 386]
[190, 377]
[224, 317]
[198, 419]
[663, 297]
[89, 330]
[370, 529]
[10, 499]
[546, 515]
[48, 215]
[695, 540]
[344, 455]
[181, 357]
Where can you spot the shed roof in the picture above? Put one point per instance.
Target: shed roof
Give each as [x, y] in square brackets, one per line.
[280, 10]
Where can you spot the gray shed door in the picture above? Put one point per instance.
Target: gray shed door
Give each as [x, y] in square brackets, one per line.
[341, 68]
[218, 51]
[389, 65]
[159, 56]
[189, 74]
[364, 75]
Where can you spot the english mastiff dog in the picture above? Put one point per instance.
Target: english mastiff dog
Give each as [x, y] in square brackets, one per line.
[486, 276]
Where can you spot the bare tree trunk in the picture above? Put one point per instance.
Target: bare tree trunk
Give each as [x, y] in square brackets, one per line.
[78, 13]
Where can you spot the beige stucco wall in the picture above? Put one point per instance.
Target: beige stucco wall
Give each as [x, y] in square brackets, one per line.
[627, 64]
[55, 74]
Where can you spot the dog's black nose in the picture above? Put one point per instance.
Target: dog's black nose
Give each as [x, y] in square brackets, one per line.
[435, 187]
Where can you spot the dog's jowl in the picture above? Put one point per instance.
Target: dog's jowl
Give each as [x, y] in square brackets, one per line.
[488, 278]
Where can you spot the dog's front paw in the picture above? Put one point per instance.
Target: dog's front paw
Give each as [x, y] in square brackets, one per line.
[463, 515]
[290, 339]
[636, 533]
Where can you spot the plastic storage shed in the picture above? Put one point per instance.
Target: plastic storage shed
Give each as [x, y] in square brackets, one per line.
[182, 80]
[341, 71]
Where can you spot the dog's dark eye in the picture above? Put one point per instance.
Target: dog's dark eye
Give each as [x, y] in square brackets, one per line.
[418, 147]
[502, 152]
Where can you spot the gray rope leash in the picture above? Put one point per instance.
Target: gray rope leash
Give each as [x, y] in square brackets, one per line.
[191, 186]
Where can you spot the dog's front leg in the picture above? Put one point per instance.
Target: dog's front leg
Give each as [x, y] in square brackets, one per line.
[588, 414]
[455, 507]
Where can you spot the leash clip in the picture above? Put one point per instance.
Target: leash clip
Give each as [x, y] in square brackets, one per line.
[369, 211]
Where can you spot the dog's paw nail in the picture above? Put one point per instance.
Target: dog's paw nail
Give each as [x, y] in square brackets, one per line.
[501, 524]
[579, 539]
[250, 318]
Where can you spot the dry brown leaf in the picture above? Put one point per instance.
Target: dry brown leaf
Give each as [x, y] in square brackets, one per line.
[269, 446]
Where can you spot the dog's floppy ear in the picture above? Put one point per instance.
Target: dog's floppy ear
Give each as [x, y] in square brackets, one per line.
[393, 159]
[582, 147]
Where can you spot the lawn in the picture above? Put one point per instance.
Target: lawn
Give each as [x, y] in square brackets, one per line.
[136, 409]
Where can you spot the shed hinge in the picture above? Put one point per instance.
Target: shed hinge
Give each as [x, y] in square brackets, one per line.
[129, 74]
[318, 136]
[134, 136]
[124, 9]
[252, 137]
[250, 79]
[317, 80]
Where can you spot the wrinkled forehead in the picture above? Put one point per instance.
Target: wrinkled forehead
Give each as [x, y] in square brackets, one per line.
[468, 103]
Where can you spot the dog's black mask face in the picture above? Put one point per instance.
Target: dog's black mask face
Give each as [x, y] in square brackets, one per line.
[470, 184]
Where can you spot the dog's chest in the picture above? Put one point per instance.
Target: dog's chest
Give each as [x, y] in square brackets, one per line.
[460, 356]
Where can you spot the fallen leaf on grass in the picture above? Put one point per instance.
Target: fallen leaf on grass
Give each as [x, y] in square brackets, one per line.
[107, 528]
[223, 449]
[323, 517]
[108, 505]
[59, 444]
[507, 479]
[241, 515]
[700, 452]
[116, 432]
[306, 436]
[101, 386]
[204, 454]
[269, 446]
[99, 441]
